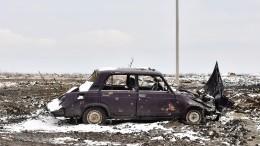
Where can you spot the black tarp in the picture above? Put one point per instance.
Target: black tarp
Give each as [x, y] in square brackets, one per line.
[215, 88]
[214, 85]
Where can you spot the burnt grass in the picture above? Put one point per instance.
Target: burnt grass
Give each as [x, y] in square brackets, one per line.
[30, 92]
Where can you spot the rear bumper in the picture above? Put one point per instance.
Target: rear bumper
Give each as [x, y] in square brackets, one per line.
[58, 113]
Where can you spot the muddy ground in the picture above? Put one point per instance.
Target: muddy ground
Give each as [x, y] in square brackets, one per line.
[24, 96]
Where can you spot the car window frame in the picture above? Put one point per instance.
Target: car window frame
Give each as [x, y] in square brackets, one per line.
[123, 74]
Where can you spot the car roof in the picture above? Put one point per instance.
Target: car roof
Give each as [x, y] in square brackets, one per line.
[138, 71]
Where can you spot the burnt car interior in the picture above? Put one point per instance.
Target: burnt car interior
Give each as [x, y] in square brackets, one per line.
[120, 82]
[128, 82]
[153, 83]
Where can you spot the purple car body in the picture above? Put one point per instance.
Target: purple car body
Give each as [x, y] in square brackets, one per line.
[127, 93]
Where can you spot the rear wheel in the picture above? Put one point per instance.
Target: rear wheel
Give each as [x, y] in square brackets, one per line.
[94, 116]
[194, 117]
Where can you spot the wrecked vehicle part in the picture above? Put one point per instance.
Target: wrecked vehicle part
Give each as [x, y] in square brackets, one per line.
[94, 116]
[135, 93]
[211, 96]
[215, 87]
[194, 116]
[56, 106]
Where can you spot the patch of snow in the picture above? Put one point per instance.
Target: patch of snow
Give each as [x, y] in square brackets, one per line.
[7, 84]
[258, 127]
[211, 132]
[143, 67]
[85, 86]
[233, 115]
[90, 142]
[254, 95]
[71, 89]
[138, 127]
[224, 120]
[256, 74]
[51, 124]
[256, 120]
[238, 94]
[173, 139]
[225, 143]
[107, 68]
[241, 80]
[158, 138]
[4, 119]
[63, 140]
[37, 112]
[190, 134]
[54, 105]
[134, 144]
[225, 74]
[48, 124]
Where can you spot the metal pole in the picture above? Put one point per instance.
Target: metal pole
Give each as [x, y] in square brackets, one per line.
[177, 42]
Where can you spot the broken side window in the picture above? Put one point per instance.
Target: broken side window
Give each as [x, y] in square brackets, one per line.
[152, 83]
[120, 82]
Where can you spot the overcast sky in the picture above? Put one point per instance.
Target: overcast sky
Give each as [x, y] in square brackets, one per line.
[78, 36]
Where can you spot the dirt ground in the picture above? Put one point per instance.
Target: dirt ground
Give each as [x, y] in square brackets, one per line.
[22, 95]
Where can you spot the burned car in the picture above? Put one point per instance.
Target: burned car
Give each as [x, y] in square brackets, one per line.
[135, 93]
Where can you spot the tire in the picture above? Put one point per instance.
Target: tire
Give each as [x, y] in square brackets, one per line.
[194, 117]
[94, 116]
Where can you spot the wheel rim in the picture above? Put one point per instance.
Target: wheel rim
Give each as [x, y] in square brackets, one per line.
[94, 117]
[193, 117]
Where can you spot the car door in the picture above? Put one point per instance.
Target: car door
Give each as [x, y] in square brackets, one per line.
[152, 102]
[160, 104]
[119, 97]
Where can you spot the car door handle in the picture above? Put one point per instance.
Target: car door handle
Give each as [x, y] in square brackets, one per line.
[142, 95]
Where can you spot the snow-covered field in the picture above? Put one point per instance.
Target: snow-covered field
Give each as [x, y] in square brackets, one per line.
[48, 124]
[24, 119]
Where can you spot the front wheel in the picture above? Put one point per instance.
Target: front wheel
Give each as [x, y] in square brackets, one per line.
[194, 117]
[94, 116]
